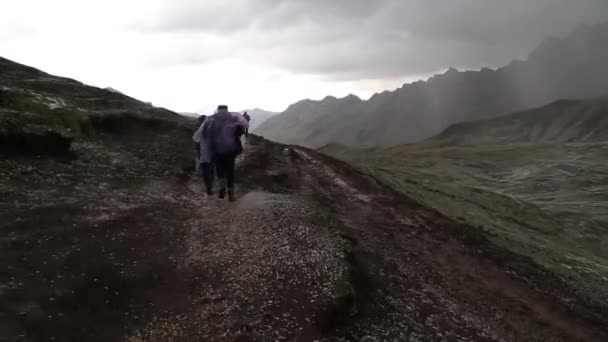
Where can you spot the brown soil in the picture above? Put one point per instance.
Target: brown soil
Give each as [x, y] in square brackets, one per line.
[120, 244]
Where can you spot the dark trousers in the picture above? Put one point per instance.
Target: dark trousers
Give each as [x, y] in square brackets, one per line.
[224, 165]
[207, 172]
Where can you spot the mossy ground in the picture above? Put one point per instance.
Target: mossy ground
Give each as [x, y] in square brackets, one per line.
[548, 202]
[28, 109]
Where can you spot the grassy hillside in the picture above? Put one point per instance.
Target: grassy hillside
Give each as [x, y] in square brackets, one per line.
[539, 187]
[561, 121]
[41, 113]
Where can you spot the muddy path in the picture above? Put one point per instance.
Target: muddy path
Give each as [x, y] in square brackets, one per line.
[131, 249]
[429, 273]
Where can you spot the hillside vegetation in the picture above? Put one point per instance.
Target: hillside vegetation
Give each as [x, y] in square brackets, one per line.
[535, 182]
[42, 113]
[573, 67]
[561, 121]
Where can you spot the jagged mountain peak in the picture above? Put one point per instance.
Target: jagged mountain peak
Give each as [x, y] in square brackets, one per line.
[570, 67]
[451, 71]
[352, 97]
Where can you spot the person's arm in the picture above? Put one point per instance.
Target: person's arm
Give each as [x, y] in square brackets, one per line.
[205, 128]
[197, 136]
[243, 123]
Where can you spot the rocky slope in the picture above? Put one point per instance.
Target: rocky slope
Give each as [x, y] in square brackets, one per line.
[118, 242]
[567, 68]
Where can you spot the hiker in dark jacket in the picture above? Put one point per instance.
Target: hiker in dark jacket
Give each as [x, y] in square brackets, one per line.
[222, 134]
[248, 118]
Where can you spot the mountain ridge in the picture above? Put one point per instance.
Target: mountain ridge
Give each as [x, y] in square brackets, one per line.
[258, 117]
[569, 67]
[561, 121]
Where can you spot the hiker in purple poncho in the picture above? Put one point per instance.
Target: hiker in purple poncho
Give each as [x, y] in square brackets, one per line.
[204, 157]
[222, 133]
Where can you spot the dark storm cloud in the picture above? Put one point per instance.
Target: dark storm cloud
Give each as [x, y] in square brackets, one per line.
[229, 16]
[377, 38]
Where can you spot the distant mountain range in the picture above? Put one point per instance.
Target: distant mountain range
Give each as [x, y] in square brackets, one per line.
[560, 68]
[258, 117]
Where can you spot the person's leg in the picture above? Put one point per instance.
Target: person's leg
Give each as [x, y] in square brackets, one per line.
[220, 166]
[197, 155]
[230, 173]
[207, 169]
[230, 164]
[197, 166]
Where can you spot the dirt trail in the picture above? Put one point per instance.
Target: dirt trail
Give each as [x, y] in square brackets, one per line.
[312, 251]
[439, 275]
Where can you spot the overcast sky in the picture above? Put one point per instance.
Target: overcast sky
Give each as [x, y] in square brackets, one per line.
[190, 55]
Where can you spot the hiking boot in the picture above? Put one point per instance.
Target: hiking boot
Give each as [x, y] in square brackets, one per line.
[209, 192]
[222, 193]
[231, 197]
